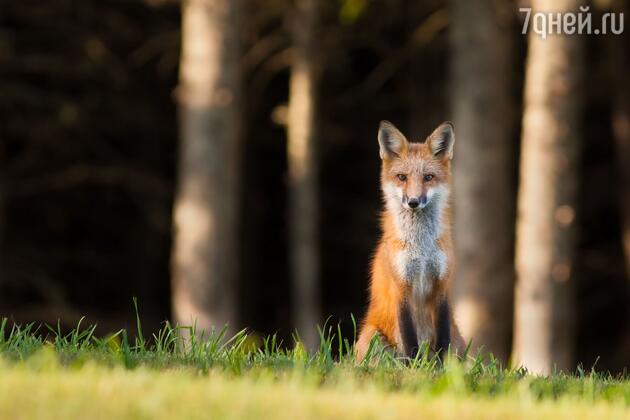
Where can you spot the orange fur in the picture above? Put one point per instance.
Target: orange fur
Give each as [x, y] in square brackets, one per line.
[388, 290]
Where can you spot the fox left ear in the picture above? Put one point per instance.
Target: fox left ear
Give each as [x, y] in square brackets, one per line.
[391, 141]
[442, 139]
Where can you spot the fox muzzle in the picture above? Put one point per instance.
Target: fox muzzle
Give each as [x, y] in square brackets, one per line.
[417, 202]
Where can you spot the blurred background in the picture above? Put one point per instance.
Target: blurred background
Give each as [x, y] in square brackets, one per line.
[217, 159]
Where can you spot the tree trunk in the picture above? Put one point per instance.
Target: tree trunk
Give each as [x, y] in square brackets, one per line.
[303, 174]
[204, 265]
[483, 109]
[543, 328]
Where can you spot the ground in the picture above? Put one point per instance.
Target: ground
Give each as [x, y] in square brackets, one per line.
[46, 374]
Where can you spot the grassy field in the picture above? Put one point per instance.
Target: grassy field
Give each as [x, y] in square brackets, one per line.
[46, 374]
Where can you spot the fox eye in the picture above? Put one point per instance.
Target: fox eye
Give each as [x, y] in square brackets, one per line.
[428, 177]
[402, 177]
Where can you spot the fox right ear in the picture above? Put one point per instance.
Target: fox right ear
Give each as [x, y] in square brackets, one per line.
[441, 141]
[391, 141]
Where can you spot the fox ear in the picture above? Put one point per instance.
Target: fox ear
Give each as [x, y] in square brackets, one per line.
[441, 141]
[391, 141]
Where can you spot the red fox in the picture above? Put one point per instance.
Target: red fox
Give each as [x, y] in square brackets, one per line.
[413, 263]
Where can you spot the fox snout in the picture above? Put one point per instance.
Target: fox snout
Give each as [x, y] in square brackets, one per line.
[417, 202]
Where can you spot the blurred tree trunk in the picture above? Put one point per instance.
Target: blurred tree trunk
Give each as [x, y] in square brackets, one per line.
[544, 315]
[303, 173]
[483, 111]
[204, 265]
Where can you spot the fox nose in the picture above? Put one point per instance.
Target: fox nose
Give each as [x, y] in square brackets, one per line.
[413, 202]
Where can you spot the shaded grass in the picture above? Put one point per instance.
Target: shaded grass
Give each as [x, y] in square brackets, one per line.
[177, 372]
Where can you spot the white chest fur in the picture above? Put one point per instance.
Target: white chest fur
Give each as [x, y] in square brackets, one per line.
[421, 262]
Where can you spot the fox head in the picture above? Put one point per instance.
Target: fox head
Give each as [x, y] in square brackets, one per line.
[415, 176]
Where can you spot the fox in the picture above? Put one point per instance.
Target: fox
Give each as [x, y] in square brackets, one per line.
[413, 263]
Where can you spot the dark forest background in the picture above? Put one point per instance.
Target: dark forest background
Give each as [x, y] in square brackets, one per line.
[89, 152]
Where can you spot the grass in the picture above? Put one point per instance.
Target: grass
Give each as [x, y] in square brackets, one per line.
[176, 374]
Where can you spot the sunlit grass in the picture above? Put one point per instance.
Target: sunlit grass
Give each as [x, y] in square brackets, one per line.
[177, 373]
